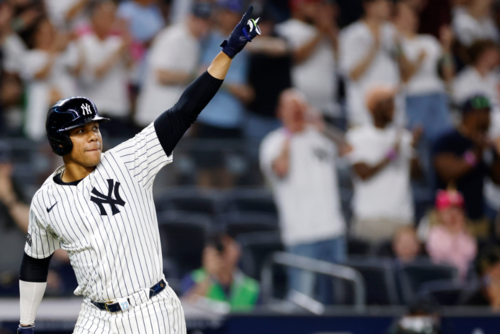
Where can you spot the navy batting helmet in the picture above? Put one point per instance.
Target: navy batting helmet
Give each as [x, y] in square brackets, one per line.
[68, 114]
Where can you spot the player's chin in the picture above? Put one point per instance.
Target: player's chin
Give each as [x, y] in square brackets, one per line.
[92, 158]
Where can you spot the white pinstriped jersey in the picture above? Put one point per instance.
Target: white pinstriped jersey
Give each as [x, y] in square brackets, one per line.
[107, 222]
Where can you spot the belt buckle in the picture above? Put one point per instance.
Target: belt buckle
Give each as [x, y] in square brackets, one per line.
[106, 306]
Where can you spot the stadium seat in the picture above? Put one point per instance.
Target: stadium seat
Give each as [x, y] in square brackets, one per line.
[237, 223]
[445, 292]
[356, 247]
[183, 238]
[189, 200]
[379, 281]
[384, 249]
[256, 248]
[249, 201]
[412, 276]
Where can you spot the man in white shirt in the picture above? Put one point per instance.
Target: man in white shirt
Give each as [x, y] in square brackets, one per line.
[383, 159]
[313, 49]
[299, 162]
[173, 62]
[474, 21]
[479, 77]
[105, 74]
[369, 56]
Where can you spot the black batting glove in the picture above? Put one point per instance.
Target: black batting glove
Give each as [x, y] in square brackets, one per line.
[244, 32]
[26, 330]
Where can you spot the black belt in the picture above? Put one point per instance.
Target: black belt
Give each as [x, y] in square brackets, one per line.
[117, 307]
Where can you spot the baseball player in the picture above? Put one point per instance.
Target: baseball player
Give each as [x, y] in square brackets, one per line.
[99, 207]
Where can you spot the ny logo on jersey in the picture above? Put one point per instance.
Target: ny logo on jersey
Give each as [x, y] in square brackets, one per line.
[100, 200]
[86, 110]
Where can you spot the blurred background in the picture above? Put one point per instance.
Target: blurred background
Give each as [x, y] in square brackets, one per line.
[343, 180]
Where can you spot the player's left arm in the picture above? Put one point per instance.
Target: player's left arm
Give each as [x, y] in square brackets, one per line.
[173, 123]
[40, 245]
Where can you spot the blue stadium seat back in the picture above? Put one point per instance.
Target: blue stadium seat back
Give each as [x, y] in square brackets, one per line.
[256, 250]
[189, 200]
[378, 274]
[238, 223]
[384, 249]
[357, 247]
[183, 239]
[445, 292]
[249, 200]
[411, 276]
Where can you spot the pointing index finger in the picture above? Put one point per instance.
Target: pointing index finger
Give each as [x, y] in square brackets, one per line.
[247, 15]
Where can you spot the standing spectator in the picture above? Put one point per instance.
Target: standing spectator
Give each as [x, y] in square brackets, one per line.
[219, 280]
[383, 161]
[66, 13]
[144, 20]
[312, 35]
[173, 62]
[299, 162]
[426, 101]
[480, 76]
[464, 157]
[434, 15]
[474, 21]
[13, 48]
[369, 57]
[449, 241]
[47, 69]
[224, 115]
[179, 9]
[14, 214]
[105, 71]
[268, 74]
[488, 268]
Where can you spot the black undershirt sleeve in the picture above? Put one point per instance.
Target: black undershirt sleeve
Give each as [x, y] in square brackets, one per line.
[34, 270]
[173, 123]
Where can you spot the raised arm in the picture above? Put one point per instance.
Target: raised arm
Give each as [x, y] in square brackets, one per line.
[173, 123]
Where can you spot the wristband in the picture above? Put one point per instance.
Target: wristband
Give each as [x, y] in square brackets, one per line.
[391, 154]
[470, 158]
[26, 329]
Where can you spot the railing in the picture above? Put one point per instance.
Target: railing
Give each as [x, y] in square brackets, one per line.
[315, 266]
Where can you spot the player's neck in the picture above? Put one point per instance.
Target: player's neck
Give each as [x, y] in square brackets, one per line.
[74, 172]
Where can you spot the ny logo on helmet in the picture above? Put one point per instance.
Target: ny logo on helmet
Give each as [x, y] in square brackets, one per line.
[86, 110]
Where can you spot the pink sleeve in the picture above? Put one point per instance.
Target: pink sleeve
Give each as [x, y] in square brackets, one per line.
[468, 246]
[437, 244]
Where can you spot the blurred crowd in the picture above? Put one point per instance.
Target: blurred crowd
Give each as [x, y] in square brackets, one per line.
[405, 93]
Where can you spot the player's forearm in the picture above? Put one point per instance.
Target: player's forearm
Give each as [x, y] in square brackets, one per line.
[31, 294]
[32, 284]
[219, 66]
